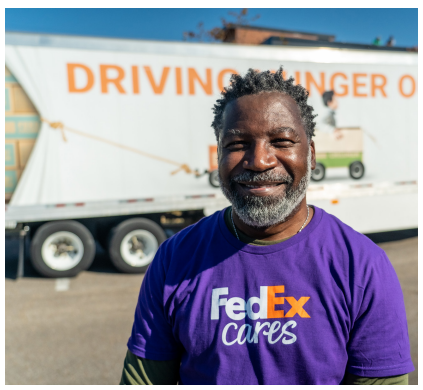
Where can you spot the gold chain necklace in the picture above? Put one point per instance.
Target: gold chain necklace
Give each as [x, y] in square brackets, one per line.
[299, 231]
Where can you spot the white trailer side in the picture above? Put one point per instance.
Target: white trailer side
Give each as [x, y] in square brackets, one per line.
[126, 127]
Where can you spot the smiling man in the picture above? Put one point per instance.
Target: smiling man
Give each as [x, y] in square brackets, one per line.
[270, 290]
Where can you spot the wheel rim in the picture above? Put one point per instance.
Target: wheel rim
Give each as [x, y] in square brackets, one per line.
[317, 174]
[214, 179]
[138, 248]
[62, 251]
[356, 170]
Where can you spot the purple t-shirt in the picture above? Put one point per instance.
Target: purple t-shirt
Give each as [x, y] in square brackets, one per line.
[298, 312]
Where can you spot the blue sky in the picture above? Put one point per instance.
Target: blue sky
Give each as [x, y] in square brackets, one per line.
[348, 25]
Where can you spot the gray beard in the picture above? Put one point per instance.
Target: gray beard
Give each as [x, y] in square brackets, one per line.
[265, 211]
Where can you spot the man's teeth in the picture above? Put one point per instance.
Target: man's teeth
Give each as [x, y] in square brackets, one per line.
[261, 186]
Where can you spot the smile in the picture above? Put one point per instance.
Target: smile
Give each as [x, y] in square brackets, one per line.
[261, 189]
[261, 185]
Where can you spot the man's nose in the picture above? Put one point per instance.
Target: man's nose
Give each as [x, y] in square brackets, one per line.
[259, 157]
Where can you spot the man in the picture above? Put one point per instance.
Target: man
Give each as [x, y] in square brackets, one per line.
[331, 101]
[270, 290]
[391, 41]
[377, 41]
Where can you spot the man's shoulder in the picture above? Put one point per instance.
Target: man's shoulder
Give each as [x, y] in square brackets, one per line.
[184, 252]
[205, 226]
[351, 252]
[343, 234]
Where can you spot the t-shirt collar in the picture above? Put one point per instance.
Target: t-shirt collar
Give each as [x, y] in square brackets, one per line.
[318, 213]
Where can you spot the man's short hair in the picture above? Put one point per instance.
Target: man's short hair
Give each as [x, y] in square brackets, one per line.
[254, 83]
[327, 97]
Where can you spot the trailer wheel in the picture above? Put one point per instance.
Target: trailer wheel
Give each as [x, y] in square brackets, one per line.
[134, 243]
[356, 170]
[318, 173]
[214, 179]
[62, 249]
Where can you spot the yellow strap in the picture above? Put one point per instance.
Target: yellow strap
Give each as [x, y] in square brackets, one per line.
[62, 127]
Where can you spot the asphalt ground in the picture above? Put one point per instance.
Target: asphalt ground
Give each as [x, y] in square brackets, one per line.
[74, 331]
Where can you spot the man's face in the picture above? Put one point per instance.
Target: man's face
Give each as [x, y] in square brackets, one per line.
[333, 104]
[265, 158]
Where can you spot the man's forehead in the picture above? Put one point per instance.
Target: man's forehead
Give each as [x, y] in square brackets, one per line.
[273, 110]
[274, 131]
[266, 104]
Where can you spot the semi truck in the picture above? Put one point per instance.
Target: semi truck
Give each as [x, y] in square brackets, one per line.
[110, 140]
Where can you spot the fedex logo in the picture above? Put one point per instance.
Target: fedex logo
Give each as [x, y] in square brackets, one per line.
[262, 307]
[257, 307]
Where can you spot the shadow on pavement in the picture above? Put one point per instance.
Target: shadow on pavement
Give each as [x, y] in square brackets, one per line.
[397, 235]
[102, 261]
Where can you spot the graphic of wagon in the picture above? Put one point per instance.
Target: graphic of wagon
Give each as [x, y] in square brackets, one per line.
[345, 151]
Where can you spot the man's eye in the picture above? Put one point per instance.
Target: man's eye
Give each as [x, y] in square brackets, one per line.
[236, 145]
[282, 142]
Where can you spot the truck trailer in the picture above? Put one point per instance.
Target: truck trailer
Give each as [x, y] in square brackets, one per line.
[119, 149]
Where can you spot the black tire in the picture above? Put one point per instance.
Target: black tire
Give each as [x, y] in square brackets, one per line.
[121, 231]
[318, 173]
[356, 169]
[214, 179]
[44, 234]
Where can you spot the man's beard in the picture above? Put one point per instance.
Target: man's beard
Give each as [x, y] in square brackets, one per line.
[265, 211]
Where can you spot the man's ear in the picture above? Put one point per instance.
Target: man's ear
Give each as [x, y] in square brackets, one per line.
[313, 155]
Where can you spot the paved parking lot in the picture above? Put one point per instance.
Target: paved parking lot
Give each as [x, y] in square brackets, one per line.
[74, 331]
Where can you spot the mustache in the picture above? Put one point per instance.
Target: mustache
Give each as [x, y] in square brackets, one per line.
[250, 176]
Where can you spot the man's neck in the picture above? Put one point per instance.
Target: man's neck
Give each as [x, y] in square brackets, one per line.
[280, 231]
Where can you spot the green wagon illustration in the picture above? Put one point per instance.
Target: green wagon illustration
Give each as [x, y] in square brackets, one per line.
[344, 151]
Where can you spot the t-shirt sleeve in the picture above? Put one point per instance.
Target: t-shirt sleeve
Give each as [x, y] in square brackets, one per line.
[379, 343]
[398, 380]
[140, 371]
[152, 336]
